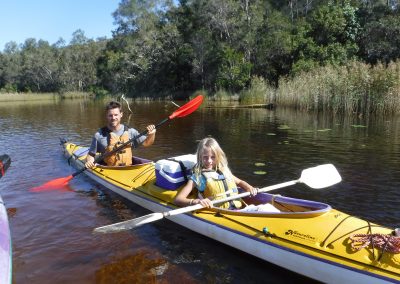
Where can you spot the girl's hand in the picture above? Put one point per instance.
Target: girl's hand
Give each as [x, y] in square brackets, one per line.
[253, 191]
[206, 203]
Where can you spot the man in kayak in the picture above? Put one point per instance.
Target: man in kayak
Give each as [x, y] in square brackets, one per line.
[214, 180]
[113, 135]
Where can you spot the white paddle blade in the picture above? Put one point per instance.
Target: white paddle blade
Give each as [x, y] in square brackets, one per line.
[320, 176]
[129, 224]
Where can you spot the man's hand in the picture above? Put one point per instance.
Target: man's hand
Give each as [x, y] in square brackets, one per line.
[151, 135]
[151, 129]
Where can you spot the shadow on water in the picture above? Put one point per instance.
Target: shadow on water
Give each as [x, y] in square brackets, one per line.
[52, 231]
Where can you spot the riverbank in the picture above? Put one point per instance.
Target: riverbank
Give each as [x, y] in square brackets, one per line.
[354, 88]
[12, 97]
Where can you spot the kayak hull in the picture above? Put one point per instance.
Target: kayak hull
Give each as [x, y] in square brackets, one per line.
[292, 240]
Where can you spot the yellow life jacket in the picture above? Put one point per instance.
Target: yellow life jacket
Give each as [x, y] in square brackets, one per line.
[122, 157]
[218, 187]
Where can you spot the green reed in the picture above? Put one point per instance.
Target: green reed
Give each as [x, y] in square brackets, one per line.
[221, 95]
[259, 92]
[76, 95]
[10, 97]
[354, 88]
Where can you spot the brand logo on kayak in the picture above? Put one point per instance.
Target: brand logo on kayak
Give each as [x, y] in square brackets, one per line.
[299, 235]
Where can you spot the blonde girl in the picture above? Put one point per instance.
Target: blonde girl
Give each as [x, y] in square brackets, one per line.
[212, 178]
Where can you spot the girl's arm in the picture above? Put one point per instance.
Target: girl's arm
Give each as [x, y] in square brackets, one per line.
[242, 184]
[182, 200]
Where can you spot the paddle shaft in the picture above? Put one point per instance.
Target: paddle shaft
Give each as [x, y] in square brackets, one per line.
[240, 195]
[101, 157]
[130, 224]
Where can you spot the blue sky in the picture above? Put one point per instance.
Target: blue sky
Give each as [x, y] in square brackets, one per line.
[53, 19]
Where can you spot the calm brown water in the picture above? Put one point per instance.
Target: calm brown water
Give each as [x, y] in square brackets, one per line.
[52, 239]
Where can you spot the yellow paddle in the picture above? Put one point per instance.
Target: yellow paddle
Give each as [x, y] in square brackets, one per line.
[316, 177]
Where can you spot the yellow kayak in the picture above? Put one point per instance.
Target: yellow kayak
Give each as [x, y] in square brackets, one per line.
[306, 237]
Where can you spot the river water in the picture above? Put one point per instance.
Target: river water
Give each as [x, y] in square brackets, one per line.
[52, 231]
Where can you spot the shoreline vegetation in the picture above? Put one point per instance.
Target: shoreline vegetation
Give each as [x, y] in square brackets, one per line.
[354, 88]
[337, 56]
[12, 97]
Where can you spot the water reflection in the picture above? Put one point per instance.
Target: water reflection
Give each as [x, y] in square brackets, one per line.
[52, 231]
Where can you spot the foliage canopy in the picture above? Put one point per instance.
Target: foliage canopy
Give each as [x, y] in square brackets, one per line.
[161, 47]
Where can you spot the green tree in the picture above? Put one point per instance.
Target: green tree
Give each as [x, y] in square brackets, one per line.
[327, 37]
[381, 40]
[380, 37]
[38, 66]
[10, 67]
[78, 63]
[234, 72]
[274, 47]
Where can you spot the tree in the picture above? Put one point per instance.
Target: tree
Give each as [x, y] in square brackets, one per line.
[327, 37]
[234, 72]
[274, 47]
[37, 66]
[78, 63]
[10, 67]
[381, 40]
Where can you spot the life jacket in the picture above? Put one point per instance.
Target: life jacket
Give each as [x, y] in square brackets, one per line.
[122, 157]
[218, 187]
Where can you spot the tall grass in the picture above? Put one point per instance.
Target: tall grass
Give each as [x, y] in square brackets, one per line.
[76, 95]
[11, 97]
[222, 95]
[259, 92]
[354, 88]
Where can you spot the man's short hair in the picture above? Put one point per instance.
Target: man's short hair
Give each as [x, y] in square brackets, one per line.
[112, 105]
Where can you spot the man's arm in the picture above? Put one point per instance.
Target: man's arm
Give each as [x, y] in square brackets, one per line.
[91, 154]
[151, 135]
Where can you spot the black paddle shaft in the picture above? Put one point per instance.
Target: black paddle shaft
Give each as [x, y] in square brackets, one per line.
[101, 157]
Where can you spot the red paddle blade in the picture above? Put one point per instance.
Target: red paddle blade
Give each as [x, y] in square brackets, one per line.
[53, 184]
[187, 108]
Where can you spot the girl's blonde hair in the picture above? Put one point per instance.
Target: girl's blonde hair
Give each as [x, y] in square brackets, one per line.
[221, 162]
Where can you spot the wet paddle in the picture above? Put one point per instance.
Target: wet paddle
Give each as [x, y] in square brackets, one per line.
[184, 110]
[317, 177]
